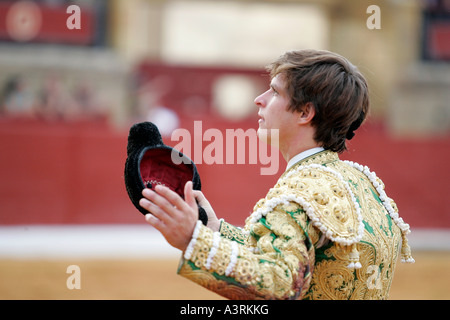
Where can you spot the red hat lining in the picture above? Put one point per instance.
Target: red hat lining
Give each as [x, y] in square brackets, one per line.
[157, 167]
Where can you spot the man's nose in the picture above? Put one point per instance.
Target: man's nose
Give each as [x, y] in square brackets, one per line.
[259, 100]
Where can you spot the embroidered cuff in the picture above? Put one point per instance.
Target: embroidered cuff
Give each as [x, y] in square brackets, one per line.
[190, 247]
[231, 232]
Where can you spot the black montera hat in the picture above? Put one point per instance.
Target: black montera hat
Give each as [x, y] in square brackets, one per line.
[150, 162]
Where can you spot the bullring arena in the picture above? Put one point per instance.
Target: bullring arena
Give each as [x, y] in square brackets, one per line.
[75, 218]
[75, 78]
[148, 272]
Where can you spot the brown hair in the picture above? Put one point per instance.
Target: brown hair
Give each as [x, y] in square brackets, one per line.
[335, 87]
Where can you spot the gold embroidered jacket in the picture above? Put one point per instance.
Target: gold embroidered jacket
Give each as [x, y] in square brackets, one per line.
[326, 230]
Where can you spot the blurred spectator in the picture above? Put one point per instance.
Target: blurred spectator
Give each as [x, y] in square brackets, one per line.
[149, 106]
[87, 101]
[16, 98]
[55, 102]
[51, 99]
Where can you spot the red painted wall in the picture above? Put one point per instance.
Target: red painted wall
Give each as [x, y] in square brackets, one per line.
[72, 173]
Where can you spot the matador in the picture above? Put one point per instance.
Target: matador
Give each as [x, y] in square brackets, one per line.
[326, 230]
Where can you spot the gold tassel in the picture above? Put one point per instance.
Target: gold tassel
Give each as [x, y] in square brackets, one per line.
[406, 250]
[353, 257]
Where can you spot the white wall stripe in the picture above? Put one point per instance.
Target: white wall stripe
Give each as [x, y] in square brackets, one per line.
[91, 241]
[129, 241]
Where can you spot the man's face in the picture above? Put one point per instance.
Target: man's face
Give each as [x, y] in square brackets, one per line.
[273, 111]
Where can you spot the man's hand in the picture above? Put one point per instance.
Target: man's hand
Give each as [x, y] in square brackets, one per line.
[213, 222]
[174, 217]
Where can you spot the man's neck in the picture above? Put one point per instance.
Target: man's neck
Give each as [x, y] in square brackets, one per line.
[302, 155]
[301, 139]
[297, 147]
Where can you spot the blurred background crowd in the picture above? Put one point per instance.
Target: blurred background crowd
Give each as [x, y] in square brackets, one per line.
[68, 97]
[52, 72]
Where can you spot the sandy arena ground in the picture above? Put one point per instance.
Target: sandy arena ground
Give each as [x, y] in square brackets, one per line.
[156, 279]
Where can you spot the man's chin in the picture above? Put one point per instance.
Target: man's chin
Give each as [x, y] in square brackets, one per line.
[269, 136]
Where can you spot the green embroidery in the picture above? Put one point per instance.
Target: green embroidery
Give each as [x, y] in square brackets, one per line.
[375, 195]
[264, 222]
[373, 247]
[354, 184]
[368, 227]
[321, 255]
[273, 239]
[389, 219]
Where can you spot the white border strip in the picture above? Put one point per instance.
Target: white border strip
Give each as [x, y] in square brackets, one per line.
[83, 241]
[429, 239]
[129, 241]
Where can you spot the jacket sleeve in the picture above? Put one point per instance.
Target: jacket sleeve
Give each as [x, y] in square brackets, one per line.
[231, 232]
[273, 260]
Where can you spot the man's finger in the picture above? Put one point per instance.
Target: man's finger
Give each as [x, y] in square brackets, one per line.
[154, 209]
[159, 198]
[155, 222]
[169, 199]
[201, 199]
[189, 195]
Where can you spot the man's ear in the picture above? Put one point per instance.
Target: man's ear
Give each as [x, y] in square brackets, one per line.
[307, 113]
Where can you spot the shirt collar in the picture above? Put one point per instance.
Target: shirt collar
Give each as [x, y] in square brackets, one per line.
[303, 155]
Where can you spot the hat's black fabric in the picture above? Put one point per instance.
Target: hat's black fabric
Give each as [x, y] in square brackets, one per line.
[149, 163]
